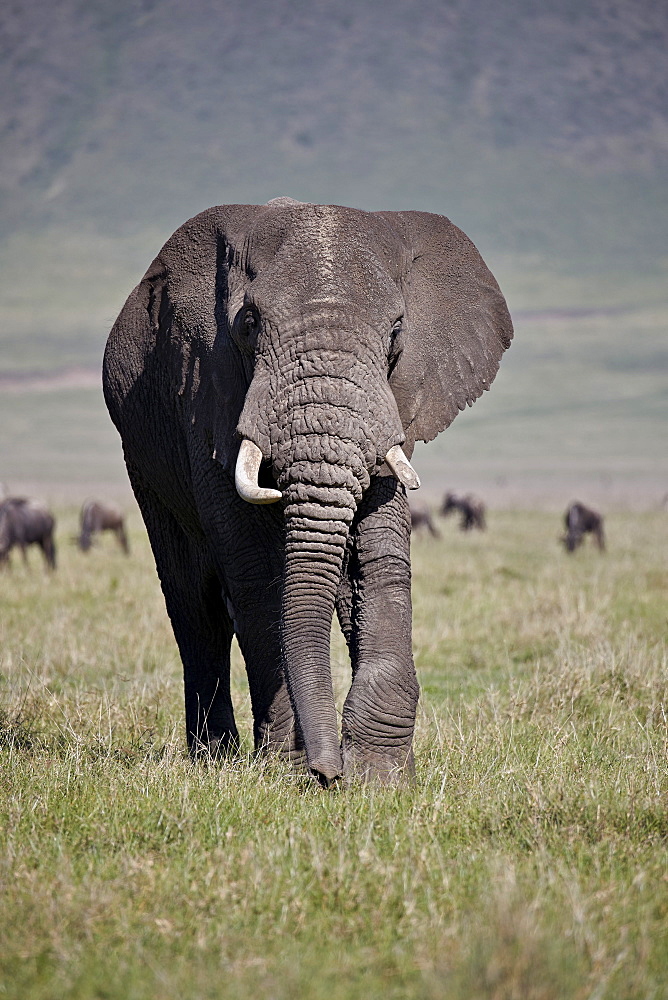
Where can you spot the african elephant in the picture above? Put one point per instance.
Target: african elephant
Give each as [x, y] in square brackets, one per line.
[269, 377]
[579, 521]
[24, 522]
[97, 516]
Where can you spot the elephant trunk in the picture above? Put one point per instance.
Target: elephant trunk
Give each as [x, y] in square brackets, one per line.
[317, 525]
[326, 426]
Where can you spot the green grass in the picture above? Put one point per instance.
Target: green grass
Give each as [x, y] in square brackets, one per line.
[60, 437]
[529, 860]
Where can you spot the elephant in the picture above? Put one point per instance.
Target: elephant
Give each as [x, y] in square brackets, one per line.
[96, 516]
[471, 509]
[269, 377]
[23, 522]
[579, 521]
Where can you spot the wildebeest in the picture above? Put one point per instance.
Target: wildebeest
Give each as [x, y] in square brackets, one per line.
[23, 522]
[98, 515]
[471, 509]
[421, 518]
[579, 521]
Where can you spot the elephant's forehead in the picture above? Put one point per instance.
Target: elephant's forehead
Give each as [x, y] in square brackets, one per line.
[326, 271]
[327, 244]
[328, 241]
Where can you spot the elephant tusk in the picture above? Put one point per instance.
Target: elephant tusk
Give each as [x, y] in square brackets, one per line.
[246, 473]
[402, 468]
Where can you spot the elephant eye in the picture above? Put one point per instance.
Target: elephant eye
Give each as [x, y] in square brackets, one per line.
[395, 348]
[250, 322]
[397, 328]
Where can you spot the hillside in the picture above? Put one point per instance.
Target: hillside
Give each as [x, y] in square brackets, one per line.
[541, 131]
[533, 127]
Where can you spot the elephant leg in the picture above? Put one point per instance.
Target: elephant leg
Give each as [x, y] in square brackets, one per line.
[201, 625]
[256, 619]
[248, 543]
[375, 612]
[251, 542]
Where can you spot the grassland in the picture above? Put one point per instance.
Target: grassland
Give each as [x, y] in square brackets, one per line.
[529, 860]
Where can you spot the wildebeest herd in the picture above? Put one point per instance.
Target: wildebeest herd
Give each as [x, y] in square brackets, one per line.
[26, 521]
[578, 520]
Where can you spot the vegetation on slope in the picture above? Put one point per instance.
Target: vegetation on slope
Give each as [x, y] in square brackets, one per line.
[530, 127]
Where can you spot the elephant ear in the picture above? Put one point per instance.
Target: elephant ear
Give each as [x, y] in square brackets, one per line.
[196, 285]
[457, 325]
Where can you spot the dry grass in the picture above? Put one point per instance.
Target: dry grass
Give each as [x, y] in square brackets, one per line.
[529, 861]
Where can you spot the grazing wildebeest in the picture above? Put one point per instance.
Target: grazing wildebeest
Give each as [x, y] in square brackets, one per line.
[24, 522]
[579, 521]
[471, 509]
[97, 515]
[421, 518]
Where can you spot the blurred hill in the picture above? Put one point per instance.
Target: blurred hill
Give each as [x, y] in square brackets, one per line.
[540, 127]
[542, 130]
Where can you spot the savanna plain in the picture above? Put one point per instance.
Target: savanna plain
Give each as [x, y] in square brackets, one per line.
[528, 860]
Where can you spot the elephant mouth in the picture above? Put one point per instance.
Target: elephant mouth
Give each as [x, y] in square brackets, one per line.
[249, 460]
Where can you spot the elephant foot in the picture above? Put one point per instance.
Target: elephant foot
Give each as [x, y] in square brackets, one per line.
[281, 736]
[286, 750]
[374, 766]
[215, 748]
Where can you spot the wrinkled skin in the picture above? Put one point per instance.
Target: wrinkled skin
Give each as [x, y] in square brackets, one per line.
[471, 509]
[25, 522]
[321, 337]
[580, 521]
[97, 516]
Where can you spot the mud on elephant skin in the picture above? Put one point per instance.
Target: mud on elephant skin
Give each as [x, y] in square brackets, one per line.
[269, 377]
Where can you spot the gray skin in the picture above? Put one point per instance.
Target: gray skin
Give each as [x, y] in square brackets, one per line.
[98, 515]
[325, 336]
[25, 522]
[580, 521]
[472, 511]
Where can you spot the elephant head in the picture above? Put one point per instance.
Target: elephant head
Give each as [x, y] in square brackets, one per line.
[338, 338]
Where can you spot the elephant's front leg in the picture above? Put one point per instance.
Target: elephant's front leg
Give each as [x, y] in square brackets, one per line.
[256, 618]
[250, 539]
[375, 614]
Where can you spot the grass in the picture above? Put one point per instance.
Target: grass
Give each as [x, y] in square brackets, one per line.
[529, 860]
[62, 437]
